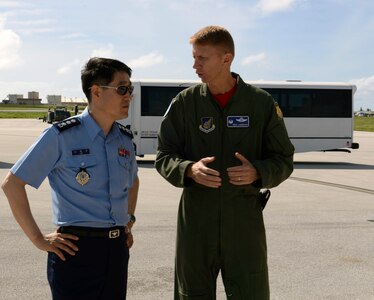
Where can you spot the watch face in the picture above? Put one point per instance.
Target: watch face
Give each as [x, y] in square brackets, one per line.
[132, 218]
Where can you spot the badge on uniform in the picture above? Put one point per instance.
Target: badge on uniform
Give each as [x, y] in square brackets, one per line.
[207, 124]
[278, 111]
[238, 121]
[82, 177]
[123, 152]
[80, 151]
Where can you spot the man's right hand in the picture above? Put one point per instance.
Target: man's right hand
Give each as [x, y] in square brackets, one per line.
[203, 175]
[58, 243]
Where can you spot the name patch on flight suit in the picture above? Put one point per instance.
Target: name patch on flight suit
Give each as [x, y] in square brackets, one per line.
[238, 121]
[207, 124]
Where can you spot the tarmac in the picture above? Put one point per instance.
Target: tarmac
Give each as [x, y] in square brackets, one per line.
[320, 228]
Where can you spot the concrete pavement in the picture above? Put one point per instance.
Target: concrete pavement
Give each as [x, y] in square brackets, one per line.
[320, 228]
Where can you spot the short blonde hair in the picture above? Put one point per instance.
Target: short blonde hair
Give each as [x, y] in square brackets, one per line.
[215, 36]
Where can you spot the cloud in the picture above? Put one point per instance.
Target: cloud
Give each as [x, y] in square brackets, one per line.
[10, 4]
[253, 59]
[271, 6]
[146, 61]
[69, 67]
[103, 52]
[72, 36]
[365, 86]
[9, 47]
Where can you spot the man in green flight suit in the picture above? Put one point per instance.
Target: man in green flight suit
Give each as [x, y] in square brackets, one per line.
[222, 141]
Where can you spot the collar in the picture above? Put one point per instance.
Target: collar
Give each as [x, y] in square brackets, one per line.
[93, 129]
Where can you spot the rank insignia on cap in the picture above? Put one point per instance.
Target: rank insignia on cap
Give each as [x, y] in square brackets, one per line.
[278, 111]
[207, 124]
[82, 177]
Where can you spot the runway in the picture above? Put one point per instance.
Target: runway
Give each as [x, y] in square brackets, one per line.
[320, 228]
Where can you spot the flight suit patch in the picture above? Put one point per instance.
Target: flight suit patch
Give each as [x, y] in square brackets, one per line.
[207, 124]
[238, 121]
[278, 111]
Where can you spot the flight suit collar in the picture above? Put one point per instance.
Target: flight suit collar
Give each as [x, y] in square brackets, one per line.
[205, 90]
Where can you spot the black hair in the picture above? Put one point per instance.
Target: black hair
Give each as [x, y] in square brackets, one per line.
[100, 71]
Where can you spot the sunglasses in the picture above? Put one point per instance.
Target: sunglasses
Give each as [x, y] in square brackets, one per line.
[121, 90]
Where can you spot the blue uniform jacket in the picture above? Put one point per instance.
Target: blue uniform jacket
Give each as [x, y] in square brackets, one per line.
[75, 145]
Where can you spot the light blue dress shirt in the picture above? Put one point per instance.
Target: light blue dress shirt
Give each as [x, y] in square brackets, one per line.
[61, 154]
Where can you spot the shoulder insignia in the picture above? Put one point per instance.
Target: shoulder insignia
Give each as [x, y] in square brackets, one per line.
[125, 130]
[278, 111]
[66, 124]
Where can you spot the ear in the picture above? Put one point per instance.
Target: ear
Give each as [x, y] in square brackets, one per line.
[228, 58]
[95, 91]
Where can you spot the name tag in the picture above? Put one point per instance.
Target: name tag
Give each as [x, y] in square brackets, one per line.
[80, 151]
[238, 121]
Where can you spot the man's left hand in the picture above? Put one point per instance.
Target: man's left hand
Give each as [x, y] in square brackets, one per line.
[130, 238]
[244, 174]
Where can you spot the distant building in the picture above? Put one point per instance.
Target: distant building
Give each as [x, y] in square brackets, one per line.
[54, 99]
[32, 99]
[367, 113]
[12, 98]
[74, 101]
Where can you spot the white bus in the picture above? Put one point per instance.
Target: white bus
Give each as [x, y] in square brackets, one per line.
[318, 116]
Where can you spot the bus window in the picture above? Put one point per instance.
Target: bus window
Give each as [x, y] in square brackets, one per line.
[156, 99]
[313, 103]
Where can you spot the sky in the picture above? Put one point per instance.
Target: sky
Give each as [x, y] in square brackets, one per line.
[44, 44]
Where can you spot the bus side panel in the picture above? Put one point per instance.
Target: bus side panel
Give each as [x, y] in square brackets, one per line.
[148, 134]
[316, 134]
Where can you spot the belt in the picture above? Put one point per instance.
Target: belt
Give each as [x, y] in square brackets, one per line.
[111, 233]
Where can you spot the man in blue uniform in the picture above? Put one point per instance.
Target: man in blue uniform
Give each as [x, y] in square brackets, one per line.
[90, 163]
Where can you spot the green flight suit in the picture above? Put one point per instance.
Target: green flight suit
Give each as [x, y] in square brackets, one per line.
[222, 229]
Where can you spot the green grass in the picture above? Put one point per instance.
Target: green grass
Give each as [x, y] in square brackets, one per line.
[360, 123]
[364, 124]
[23, 107]
[22, 115]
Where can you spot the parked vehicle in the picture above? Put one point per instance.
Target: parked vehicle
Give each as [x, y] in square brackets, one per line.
[318, 115]
[58, 114]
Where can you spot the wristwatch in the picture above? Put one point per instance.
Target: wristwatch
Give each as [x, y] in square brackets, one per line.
[132, 218]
